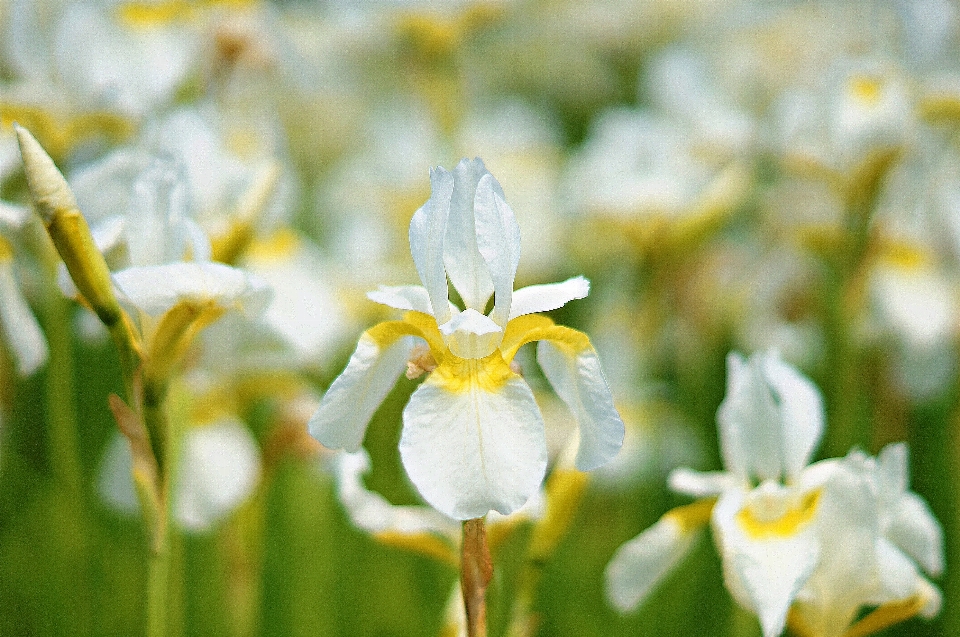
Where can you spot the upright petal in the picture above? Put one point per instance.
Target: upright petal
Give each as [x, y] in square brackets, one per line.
[381, 355]
[428, 229]
[549, 296]
[801, 412]
[573, 369]
[474, 443]
[461, 256]
[498, 239]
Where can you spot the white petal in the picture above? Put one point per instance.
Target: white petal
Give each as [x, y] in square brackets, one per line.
[766, 573]
[801, 413]
[642, 563]
[700, 484]
[372, 512]
[403, 297]
[115, 479]
[578, 380]
[354, 396]
[898, 575]
[498, 239]
[18, 326]
[914, 530]
[461, 256]
[155, 289]
[470, 334]
[474, 450]
[13, 217]
[548, 296]
[219, 467]
[770, 420]
[428, 229]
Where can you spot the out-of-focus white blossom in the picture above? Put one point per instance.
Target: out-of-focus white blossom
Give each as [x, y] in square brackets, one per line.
[216, 471]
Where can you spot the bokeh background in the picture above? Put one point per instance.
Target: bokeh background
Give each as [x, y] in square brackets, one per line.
[731, 175]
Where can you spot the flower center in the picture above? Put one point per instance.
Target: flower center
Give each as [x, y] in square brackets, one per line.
[774, 511]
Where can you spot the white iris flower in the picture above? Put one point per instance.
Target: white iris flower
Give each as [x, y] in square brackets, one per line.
[807, 545]
[473, 436]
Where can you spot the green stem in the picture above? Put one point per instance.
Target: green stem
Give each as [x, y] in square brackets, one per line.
[158, 587]
[61, 412]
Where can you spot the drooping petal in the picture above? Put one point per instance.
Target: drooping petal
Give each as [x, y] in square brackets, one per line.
[763, 571]
[573, 369]
[461, 256]
[373, 513]
[403, 297]
[548, 296]
[381, 355]
[18, 326]
[473, 441]
[428, 229]
[157, 288]
[498, 239]
[915, 530]
[219, 467]
[642, 563]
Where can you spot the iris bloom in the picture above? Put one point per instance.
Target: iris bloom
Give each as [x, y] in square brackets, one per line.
[812, 543]
[473, 436]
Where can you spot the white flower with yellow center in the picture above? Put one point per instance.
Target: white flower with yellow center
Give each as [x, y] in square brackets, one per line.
[473, 437]
[806, 544]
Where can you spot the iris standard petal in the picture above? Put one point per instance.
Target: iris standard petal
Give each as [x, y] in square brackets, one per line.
[548, 296]
[474, 442]
[574, 372]
[157, 288]
[345, 410]
[498, 239]
[914, 529]
[749, 422]
[801, 412]
[428, 229]
[461, 256]
[642, 563]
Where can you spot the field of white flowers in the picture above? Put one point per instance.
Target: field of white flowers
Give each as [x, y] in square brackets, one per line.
[480, 317]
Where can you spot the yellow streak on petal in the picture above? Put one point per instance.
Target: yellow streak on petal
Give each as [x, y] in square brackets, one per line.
[690, 517]
[140, 15]
[459, 375]
[427, 329]
[887, 615]
[536, 327]
[786, 525]
[6, 250]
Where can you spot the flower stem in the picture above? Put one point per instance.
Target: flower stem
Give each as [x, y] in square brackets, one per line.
[476, 570]
[158, 587]
[61, 417]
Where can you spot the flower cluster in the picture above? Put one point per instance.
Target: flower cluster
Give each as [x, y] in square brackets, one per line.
[802, 544]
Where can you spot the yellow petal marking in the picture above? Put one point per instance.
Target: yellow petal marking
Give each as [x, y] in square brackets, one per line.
[786, 525]
[458, 375]
[427, 329]
[691, 517]
[536, 327]
[886, 615]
